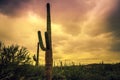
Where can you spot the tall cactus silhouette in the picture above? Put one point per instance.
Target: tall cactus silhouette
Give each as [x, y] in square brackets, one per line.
[48, 48]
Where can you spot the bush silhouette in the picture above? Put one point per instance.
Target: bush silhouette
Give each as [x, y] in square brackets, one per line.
[10, 58]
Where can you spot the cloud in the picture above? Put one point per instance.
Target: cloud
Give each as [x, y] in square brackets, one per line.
[114, 27]
[70, 17]
[79, 28]
[115, 47]
[13, 8]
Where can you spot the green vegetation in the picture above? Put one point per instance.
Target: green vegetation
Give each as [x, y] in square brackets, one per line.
[88, 72]
[15, 64]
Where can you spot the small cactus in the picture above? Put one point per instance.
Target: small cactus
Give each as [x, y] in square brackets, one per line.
[36, 58]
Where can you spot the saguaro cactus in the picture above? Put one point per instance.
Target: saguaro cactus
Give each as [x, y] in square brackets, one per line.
[48, 48]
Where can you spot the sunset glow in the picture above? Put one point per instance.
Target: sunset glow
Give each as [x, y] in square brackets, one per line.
[81, 29]
[33, 17]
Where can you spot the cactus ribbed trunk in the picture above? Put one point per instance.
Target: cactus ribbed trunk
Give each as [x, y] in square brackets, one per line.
[48, 49]
[48, 56]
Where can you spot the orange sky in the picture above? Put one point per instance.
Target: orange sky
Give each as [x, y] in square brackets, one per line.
[81, 29]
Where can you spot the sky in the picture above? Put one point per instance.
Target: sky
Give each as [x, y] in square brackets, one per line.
[83, 31]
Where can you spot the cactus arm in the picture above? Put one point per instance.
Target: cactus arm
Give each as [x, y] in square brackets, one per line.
[37, 62]
[47, 41]
[34, 58]
[40, 41]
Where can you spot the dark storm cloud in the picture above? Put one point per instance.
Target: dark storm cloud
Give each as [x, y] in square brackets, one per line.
[114, 27]
[116, 46]
[62, 12]
[12, 7]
